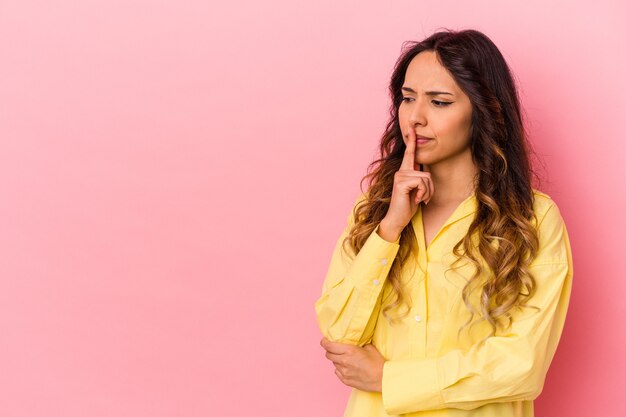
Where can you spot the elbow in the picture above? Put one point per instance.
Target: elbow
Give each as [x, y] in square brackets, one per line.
[536, 373]
[322, 317]
[531, 381]
[327, 321]
[334, 328]
[333, 332]
[523, 380]
[534, 385]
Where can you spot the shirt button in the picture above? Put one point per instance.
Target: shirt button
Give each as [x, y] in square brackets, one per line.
[383, 261]
[376, 282]
[418, 317]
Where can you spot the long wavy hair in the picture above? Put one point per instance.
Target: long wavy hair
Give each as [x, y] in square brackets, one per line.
[503, 224]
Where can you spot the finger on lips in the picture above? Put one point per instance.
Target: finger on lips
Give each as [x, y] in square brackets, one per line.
[408, 162]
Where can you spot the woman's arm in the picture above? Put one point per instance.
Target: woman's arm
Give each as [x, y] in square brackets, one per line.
[507, 367]
[351, 293]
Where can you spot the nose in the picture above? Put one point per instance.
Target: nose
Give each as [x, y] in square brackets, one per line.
[417, 115]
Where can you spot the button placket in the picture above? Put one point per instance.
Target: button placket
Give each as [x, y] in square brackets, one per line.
[417, 320]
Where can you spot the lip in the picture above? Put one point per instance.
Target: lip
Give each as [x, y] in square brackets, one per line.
[422, 140]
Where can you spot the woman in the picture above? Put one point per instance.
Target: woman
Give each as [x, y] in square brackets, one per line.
[447, 292]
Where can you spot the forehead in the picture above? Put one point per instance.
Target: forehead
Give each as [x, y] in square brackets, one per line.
[425, 73]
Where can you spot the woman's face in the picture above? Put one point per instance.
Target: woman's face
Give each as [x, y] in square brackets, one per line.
[435, 107]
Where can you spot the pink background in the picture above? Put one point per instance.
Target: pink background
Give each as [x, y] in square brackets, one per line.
[174, 175]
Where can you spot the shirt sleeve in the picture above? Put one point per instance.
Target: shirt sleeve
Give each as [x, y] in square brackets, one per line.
[509, 366]
[352, 290]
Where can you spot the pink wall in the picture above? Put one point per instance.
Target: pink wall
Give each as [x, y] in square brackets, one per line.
[173, 177]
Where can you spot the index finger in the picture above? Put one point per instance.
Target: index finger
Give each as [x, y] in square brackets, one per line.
[408, 161]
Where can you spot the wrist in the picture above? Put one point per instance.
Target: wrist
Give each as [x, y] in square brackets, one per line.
[389, 231]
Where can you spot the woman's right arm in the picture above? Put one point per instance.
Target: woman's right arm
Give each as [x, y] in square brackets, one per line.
[352, 290]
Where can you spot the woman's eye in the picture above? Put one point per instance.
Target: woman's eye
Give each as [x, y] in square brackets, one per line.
[437, 103]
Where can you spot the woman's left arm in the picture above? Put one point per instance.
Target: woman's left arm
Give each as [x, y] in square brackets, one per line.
[507, 367]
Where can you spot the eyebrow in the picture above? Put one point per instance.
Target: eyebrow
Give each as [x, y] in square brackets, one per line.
[428, 93]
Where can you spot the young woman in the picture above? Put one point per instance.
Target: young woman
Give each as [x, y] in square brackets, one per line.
[447, 291]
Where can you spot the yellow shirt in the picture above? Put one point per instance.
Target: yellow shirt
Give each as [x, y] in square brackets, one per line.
[428, 372]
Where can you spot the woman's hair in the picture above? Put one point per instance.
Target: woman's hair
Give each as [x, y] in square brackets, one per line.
[505, 236]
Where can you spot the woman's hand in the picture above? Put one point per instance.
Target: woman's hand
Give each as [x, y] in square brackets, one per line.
[355, 366]
[410, 187]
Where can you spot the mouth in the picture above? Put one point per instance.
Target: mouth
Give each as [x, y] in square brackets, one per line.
[423, 139]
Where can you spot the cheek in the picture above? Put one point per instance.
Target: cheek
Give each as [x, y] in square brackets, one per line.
[402, 116]
[454, 128]
[465, 122]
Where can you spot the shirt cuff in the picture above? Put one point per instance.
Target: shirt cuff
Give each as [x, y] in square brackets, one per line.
[411, 385]
[374, 260]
